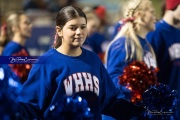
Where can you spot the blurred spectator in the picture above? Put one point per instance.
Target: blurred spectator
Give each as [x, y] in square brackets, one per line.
[49, 5]
[94, 40]
[3, 37]
[33, 4]
[101, 12]
[56, 5]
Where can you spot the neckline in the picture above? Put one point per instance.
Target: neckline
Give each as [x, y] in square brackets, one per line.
[70, 57]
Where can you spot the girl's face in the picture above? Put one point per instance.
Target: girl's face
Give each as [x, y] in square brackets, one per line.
[25, 26]
[149, 19]
[74, 32]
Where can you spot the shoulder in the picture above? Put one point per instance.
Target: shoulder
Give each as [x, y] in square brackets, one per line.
[162, 30]
[89, 53]
[45, 62]
[48, 57]
[11, 48]
[91, 57]
[118, 44]
[161, 26]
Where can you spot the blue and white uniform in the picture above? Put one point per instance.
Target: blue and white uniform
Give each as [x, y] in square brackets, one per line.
[60, 75]
[116, 60]
[165, 41]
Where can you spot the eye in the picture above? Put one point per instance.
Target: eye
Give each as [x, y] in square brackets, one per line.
[27, 22]
[83, 27]
[73, 28]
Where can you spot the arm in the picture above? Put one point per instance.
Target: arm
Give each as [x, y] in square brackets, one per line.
[34, 97]
[116, 63]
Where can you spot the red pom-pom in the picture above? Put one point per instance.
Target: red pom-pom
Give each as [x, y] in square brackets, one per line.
[137, 77]
[21, 70]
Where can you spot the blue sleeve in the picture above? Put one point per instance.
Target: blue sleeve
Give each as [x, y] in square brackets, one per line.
[35, 94]
[116, 63]
[7, 51]
[10, 49]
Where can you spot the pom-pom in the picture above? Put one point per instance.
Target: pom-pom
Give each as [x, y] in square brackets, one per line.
[160, 102]
[70, 108]
[21, 70]
[137, 77]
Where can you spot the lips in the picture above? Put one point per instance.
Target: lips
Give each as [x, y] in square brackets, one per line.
[79, 38]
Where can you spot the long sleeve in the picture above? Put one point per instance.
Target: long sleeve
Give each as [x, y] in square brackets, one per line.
[116, 63]
[33, 97]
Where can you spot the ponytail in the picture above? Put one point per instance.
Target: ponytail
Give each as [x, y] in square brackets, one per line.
[57, 41]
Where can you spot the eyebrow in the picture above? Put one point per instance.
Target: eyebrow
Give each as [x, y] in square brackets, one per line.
[77, 25]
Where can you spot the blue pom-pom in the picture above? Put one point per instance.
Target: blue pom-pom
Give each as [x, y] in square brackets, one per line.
[160, 102]
[70, 108]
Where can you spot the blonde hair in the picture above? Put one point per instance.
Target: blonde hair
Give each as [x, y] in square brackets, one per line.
[13, 20]
[129, 29]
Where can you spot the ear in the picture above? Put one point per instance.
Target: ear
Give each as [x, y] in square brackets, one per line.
[59, 31]
[14, 28]
[139, 18]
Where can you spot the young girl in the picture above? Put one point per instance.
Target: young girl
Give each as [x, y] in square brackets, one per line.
[69, 70]
[130, 43]
[18, 31]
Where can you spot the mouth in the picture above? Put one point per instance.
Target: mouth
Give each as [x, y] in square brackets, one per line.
[78, 38]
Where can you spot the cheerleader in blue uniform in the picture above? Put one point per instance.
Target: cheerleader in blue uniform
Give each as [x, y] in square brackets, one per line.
[18, 31]
[130, 43]
[70, 70]
[166, 43]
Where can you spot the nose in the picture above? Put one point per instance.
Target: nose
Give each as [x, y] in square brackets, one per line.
[78, 31]
[30, 25]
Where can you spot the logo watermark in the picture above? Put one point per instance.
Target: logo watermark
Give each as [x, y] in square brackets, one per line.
[156, 112]
[21, 59]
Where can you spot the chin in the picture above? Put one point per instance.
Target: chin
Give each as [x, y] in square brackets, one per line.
[77, 45]
[152, 29]
[27, 36]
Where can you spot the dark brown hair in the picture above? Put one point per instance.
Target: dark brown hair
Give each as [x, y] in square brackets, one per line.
[64, 15]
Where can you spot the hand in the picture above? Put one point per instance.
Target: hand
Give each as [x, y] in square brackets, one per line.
[122, 109]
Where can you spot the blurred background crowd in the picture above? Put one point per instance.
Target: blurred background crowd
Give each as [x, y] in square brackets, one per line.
[102, 25]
